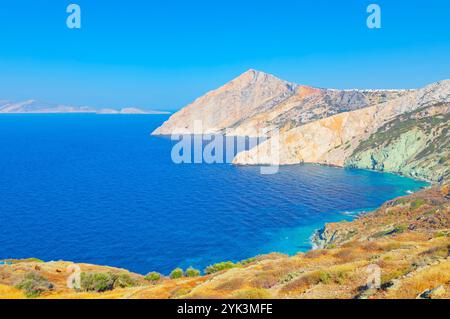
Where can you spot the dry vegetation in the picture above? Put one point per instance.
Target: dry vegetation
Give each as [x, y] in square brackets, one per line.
[408, 238]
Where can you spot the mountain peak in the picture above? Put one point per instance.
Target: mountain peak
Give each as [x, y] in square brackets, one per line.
[254, 72]
[256, 77]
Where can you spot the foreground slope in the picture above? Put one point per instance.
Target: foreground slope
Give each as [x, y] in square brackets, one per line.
[408, 238]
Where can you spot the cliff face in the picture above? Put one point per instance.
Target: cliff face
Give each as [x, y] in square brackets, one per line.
[331, 127]
[257, 100]
[233, 102]
[335, 140]
[415, 144]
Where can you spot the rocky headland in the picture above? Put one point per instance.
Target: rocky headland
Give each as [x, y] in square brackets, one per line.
[399, 131]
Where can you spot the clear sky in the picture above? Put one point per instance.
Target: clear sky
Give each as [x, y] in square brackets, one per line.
[161, 54]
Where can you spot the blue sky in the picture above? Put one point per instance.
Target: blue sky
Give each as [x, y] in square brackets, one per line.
[163, 54]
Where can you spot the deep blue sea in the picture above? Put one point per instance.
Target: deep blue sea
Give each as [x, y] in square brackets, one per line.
[99, 189]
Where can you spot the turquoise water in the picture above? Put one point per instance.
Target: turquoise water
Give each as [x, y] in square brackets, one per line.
[100, 189]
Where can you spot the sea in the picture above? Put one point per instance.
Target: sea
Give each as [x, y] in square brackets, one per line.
[100, 189]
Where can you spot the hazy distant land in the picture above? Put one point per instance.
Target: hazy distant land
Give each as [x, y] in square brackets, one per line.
[36, 107]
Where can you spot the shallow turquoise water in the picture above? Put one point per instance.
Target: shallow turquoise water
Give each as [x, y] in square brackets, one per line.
[100, 189]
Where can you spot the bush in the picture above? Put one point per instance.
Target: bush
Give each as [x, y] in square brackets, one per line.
[98, 282]
[324, 277]
[191, 272]
[248, 261]
[176, 273]
[418, 203]
[33, 285]
[153, 277]
[101, 282]
[400, 229]
[301, 283]
[219, 267]
[123, 281]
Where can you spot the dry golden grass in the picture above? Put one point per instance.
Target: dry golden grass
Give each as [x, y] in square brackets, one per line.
[429, 278]
[8, 292]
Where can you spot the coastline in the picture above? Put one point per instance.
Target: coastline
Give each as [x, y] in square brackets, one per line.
[319, 239]
[402, 237]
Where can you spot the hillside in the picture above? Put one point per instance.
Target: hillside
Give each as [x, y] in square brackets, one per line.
[332, 140]
[257, 100]
[407, 238]
[415, 144]
[327, 126]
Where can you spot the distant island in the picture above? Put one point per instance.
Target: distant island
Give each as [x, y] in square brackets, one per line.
[36, 107]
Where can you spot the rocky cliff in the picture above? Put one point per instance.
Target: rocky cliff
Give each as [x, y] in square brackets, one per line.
[400, 131]
[257, 100]
[415, 144]
[222, 108]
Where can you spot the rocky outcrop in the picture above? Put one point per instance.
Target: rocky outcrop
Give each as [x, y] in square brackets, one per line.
[335, 140]
[239, 99]
[256, 100]
[416, 144]
[325, 126]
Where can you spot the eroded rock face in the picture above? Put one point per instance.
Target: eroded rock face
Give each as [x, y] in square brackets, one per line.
[233, 102]
[335, 139]
[415, 144]
[324, 126]
[257, 100]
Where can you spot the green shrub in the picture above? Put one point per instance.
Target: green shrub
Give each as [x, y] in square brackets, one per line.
[418, 203]
[335, 276]
[440, 234]
[247, 261]
[123, 281]
[153, 277]
[176, 273]
[33, 285]
[98, 282]
[101, 282]
[219, 267]
[400, 229]
[324, 277]
[191, 272]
